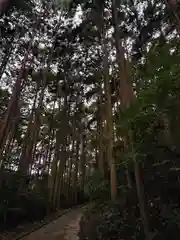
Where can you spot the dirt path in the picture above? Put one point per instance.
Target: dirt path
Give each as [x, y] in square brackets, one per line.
[64, 228]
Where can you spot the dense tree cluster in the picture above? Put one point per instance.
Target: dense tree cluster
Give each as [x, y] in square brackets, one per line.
[89, 106]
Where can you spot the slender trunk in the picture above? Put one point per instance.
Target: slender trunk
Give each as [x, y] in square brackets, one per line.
[61, 171]
[100, 139]
[24, 163]
[50, 138]
[125, 85]
[14, 101]
[60, 157]
[50, 150]
[74, 180]
[140, 193]
[16, 93]
[34, 155]
[11, 133]
[65, 181]
[70, 171]
[109, 119]
[64, 153]
[54, 172]
[126, 97]
[82, 163]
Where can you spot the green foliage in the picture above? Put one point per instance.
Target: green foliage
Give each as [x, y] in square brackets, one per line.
[97, 187]
[111, 221]
[159, 91]
[74, 77]
[17, 205]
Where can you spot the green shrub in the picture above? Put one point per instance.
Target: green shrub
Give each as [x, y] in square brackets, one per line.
[111, 221]
[19, 205]
[171, 224]
[97, 187]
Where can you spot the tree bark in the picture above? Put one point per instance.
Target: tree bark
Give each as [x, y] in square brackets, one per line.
[126, 97]
[100, 135]
[109, 119]
[75, 173]
[82, 162]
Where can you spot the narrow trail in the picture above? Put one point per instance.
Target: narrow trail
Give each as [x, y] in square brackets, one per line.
[64, 228]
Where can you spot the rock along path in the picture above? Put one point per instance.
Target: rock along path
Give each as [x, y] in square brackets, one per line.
[64, 228]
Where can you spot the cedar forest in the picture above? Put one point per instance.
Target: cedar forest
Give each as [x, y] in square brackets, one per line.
[89, 112]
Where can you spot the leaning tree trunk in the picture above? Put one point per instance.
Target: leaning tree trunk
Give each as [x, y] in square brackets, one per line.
[19, 84]
[14, 101]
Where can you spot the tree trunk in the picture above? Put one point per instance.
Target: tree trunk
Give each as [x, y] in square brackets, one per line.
[109, 119]
[140, 193]
[14, 101]
[126, 97]
[82, 162]
[24, 162]
[75, 173]
[54, 171]
[7, 147]
[100, 136]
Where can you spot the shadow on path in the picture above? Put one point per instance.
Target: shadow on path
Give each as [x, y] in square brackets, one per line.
[64, 228]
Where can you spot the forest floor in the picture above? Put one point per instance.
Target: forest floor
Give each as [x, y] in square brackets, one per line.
[64, 228]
